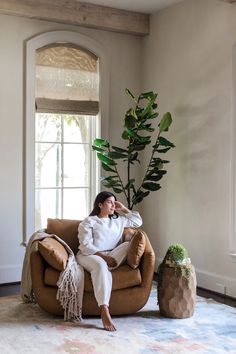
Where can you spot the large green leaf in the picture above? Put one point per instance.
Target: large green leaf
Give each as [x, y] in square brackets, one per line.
[117, 190]
[151, 186]
[138, 146]
[154, 106]
[105, 159]
[147, 111]
[96, 148]
[165, 142]
[153, 115]
[129, 184]
[165, 122]
[101, 142]
[153, 177]
[133, 157]
[146, 95]
[147, 127]
[131, 133]
[139, 196]
[116, 155]
[128, 92]
[107, 168]
[118, 149]
[162, 151]
[108, 182]
[130, 121]
[125, 135]
[144, 139]
[156, 171]
[158, 159]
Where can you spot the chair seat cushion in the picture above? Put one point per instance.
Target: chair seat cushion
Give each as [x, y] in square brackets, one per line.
[122, 278]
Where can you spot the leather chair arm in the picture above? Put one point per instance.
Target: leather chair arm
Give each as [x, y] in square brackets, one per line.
[147, 265]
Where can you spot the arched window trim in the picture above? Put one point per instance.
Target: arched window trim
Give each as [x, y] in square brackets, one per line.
[31, 46]
[232, 238]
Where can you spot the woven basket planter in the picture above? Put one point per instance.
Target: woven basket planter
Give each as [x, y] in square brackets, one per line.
[176, 294]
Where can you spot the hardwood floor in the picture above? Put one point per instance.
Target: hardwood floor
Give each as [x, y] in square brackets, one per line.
[14, 289]
[224, 299]
[9, 289]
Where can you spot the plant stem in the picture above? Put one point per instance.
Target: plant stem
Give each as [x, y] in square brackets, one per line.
[128, 177]
[122, 186]
[153, 151]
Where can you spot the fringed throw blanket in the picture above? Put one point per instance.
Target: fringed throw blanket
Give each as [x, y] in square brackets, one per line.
[70, 283]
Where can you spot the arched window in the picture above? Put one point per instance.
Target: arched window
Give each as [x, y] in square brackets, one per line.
[63, 111]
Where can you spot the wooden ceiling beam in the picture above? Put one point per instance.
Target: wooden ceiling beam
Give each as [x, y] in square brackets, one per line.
[74, 12]
[229, 1]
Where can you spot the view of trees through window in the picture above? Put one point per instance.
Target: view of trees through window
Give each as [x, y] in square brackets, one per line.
[62, 166]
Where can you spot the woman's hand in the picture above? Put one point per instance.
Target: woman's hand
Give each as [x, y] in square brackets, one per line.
[111, 262]
[120, 207]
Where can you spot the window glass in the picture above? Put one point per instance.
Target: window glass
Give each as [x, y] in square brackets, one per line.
[66, 100]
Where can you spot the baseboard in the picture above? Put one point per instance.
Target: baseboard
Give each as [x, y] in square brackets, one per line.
[10, 274]
[217, 283]
[213, 282]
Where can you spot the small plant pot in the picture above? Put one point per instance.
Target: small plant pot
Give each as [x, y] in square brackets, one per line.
[176, 294]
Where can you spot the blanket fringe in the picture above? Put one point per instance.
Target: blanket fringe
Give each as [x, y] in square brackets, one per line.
[70, 290]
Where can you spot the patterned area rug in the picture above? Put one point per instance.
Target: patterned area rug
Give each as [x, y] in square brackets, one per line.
[25, 328]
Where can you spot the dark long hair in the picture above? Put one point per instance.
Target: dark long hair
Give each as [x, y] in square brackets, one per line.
[100, 198]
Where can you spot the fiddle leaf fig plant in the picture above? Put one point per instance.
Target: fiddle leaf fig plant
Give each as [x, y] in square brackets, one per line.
[140, 123]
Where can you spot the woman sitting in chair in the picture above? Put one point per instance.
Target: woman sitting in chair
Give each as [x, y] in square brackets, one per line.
[101, 246]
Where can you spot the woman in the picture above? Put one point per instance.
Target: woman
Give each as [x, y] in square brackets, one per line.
[101, 248]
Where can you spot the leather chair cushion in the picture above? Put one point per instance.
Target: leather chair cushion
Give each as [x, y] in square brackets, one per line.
[136, 249]
[66, 229]
[122, 278]
[53, 252]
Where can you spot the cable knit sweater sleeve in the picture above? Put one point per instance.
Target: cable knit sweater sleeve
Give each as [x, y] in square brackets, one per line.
[86, 236]
[132, 219]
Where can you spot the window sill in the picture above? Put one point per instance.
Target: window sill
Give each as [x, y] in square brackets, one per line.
[233, 256]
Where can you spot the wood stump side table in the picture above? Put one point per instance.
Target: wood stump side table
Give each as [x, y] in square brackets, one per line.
[175, 297]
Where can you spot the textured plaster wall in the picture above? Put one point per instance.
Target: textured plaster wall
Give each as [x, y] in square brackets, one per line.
[188, 61]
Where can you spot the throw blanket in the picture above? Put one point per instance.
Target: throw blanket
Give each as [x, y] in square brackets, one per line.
[70, 283]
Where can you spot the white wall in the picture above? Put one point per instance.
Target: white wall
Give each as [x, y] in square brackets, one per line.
[187, 60]
[124, 57]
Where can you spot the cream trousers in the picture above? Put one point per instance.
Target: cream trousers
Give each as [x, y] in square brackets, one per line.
[100, 273]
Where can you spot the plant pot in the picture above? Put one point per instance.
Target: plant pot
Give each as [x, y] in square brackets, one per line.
[176, 294]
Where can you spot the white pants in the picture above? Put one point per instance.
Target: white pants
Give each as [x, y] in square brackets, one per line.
[100, 273]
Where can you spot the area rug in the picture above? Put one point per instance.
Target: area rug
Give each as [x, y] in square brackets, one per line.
[25, 328]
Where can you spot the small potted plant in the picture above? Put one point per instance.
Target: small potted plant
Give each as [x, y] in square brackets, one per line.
[176, 283]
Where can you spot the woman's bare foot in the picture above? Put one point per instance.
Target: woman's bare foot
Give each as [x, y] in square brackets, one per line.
[106, 319]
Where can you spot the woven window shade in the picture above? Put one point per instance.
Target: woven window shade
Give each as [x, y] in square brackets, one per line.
[67, 79]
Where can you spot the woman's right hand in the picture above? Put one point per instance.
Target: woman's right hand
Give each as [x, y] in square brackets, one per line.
[111, 262]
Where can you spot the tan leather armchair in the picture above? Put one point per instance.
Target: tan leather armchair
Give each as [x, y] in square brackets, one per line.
[131, 287]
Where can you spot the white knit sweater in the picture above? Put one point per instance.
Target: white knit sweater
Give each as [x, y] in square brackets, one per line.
[104, 234]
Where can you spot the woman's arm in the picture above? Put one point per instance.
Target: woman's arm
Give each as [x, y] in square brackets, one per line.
[85, 236]
[133, 218]
[111, 262]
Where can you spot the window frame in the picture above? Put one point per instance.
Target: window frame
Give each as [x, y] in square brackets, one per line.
[31, 46]
[232, 182]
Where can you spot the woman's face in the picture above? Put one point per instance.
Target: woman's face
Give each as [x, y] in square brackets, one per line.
[107, 207]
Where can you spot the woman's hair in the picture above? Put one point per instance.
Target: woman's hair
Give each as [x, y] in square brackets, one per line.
[100, 198]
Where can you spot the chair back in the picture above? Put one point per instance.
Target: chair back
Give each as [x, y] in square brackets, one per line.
[66, 229]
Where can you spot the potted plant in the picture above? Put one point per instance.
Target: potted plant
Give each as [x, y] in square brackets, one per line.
[176, 283]
[138, 127]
